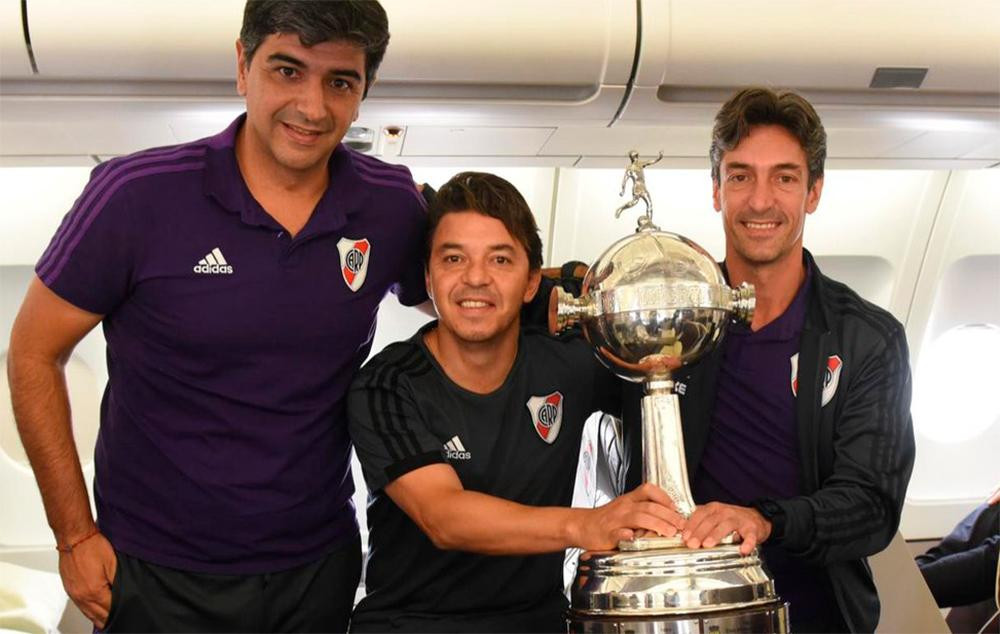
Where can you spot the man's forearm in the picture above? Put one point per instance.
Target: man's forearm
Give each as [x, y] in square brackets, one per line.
[480, 523]
[476, 522]
[41, 409]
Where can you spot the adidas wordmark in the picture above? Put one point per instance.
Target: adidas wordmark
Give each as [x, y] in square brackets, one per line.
[213, 263]
[454, 450]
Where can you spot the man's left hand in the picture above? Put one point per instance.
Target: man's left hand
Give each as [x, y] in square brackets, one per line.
[711, 522]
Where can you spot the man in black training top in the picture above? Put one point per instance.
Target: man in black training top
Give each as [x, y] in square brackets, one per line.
[469, 435]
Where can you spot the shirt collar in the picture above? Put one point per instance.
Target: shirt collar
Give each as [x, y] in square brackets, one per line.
[224, 182]
[789, 324]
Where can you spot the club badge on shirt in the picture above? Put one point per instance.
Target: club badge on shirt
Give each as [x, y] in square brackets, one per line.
[831, 378]
[354, 256]
[546, 415]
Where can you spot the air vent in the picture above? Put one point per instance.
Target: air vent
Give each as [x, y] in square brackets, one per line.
[359, 138]
[898, 77]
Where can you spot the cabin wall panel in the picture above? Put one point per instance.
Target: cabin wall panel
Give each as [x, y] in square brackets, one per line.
[33, 202]
[954, 335]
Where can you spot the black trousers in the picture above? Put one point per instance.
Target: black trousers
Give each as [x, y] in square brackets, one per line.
[315, 597]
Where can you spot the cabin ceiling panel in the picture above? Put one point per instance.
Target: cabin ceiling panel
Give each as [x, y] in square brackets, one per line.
[470, 141]
[865, 143]
[597, 110]
[673, 141]
[462, 163]
[668, 163]
[939, 144]
[908, 163]
[988, 150]
[88, 127]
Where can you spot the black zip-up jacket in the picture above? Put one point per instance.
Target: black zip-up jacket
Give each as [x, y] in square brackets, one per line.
[856, 452]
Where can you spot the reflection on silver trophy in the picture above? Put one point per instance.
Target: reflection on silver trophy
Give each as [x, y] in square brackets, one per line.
[651, 303]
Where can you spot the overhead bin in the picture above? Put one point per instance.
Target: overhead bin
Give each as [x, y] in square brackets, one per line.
[695, 53]
[831, 46]
[14, 61]
[498, 62]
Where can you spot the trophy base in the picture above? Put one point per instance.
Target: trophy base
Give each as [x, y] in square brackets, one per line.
[661, 543]
[772, 619]
[615, 590]
[650, 543]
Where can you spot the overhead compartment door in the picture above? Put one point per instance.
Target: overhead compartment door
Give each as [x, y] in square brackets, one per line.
[694, 54]
[448, 62]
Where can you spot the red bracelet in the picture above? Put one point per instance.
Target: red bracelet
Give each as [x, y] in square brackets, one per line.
[69, 549]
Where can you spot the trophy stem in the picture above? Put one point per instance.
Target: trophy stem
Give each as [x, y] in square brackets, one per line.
[663, 461]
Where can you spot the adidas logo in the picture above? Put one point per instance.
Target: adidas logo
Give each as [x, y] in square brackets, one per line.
[214, 263]
[454, 450]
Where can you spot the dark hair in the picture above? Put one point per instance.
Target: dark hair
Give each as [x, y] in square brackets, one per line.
[761, 106]
[491, 196]
[361, 22]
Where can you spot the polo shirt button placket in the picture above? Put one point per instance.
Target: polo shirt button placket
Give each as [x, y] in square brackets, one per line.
[286, 248]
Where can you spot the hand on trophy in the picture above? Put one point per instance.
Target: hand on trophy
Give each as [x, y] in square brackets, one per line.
[712, 522]
[646, 508]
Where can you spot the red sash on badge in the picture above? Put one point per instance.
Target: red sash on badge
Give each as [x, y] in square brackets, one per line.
[546, 415]
[354, 257]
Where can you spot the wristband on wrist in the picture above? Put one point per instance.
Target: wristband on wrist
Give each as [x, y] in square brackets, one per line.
[773, 513]
[69, 547]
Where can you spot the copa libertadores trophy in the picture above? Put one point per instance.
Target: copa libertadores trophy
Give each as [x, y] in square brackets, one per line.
[651, 303]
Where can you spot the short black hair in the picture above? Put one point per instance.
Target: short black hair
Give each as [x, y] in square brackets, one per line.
[361, 22]
[757, 106]
[491, 196]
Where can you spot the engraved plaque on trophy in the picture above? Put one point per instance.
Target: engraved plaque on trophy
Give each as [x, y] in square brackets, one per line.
[653, 302]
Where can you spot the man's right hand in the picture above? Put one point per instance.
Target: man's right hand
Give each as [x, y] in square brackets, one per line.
[87, 573]
[647, 508]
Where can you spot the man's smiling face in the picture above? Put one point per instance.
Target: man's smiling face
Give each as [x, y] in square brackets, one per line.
[479, 277]
[300, 100]
[764, 196]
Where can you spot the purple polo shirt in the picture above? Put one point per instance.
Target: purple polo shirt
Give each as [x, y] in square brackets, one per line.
[753, 451]
[223, 445]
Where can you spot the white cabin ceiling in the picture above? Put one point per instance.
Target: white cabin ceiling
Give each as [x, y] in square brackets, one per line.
[114, 77]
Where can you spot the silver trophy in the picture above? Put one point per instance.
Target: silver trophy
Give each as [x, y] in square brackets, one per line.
[651, 303]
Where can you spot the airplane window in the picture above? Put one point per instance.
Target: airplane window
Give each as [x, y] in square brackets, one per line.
[954, 396]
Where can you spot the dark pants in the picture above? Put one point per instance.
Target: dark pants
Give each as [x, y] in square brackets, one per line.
[539, 623]
[315, 597]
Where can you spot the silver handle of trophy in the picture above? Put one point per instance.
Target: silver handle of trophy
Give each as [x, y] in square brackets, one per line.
[565, 311]
[663, 461]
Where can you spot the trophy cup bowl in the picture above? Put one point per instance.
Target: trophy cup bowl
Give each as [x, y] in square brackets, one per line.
[653, 302]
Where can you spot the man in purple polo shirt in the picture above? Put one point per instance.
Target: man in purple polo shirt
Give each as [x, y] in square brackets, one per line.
[797, 429]
[237, 280]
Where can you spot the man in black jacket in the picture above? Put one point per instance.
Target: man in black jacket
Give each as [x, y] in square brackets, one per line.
[797, 429]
